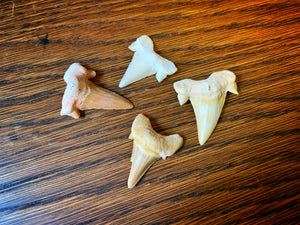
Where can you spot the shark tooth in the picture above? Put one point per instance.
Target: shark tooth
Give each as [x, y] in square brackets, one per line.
[146, 62]
[148, 147]
[207, 98]
[82, 94]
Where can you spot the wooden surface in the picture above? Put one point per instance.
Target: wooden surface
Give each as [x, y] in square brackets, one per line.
[58, 170]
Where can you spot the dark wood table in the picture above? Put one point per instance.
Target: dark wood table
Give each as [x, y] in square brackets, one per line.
[59, 170]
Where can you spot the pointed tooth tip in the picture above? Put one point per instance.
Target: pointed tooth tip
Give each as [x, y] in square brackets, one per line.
[233, 88]
[234, 91]
[130, 185]
[130, 105]
[203, 139]
[121, 84]
[182, 99]
[124, 83]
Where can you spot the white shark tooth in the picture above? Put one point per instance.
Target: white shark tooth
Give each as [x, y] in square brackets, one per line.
[148, 147]
[146, 62]
[207, 97]
[82, 94]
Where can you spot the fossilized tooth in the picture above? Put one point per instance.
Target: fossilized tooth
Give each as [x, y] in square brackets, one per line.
[207, 97]
[148, 147]
[146, 62]
[82, 94]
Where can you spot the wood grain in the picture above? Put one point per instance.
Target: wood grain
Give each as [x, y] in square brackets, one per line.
[58, 170]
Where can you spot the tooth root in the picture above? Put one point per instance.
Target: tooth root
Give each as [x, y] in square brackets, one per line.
[141, 162]
[182, 98]
[145, 62]
[148, 146]
[100, 98]
[207, 113]
[233, 89]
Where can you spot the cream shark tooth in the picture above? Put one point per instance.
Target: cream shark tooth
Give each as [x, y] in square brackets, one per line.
[82, 94]
[148, 147]
[146, 62]
[207, 97]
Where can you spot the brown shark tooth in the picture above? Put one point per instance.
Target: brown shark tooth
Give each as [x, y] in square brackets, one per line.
[148, 147]
[82, 94]
[208, 98]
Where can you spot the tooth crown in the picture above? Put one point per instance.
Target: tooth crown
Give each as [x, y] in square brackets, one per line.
[207, 97]
[146, 62]
[150, 141]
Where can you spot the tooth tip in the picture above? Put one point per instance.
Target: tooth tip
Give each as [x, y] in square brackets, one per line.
[130, 184]
[204, 134]
[122, 84]
[130, 105]
[202, 142]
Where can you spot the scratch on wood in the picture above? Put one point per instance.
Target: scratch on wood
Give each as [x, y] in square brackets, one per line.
[13, 8]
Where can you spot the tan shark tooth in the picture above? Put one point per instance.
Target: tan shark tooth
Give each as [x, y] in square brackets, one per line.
[148, 147]
[82, 94]
[208, 98]
[146, 62]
